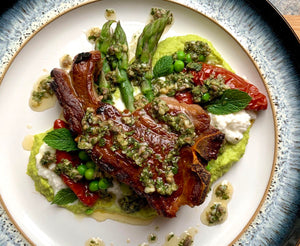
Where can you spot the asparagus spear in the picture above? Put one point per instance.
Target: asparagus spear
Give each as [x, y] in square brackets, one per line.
[104, 41]
[146, 47]
[122, 65]
[102, 44]
[114, 49]
[148, 40]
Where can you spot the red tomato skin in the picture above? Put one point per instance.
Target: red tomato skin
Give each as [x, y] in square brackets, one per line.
[72, 157]
[197, 78]
[60, 124]
[184, 97]
[60, 155]
[81, 190]
[259, 100]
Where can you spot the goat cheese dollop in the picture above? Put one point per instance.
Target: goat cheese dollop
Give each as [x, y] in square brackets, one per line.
[53, 179]
[233, 125]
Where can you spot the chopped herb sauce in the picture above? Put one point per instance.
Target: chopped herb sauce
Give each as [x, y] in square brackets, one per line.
[95, 130]
[222, 192]
[66, 167]
[216, 213]
[43, 90]
[152, 238]
[172, 83]
[197, 49]
[212, 88]
[48, 158]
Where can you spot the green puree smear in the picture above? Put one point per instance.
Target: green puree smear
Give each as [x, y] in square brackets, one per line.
[173, 44]
[103, 205]
[41, 184]
[229, 154]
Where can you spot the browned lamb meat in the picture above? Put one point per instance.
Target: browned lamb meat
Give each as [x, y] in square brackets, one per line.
[151, 149]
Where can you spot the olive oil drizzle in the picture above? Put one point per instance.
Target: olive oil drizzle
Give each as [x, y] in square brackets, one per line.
[216, 212]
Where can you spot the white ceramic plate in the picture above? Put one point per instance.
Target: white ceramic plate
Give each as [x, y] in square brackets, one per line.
[46, 224]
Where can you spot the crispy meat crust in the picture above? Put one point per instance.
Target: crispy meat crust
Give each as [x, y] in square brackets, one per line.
[76, 92]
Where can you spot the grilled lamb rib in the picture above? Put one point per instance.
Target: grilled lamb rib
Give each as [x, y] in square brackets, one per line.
[187, 184]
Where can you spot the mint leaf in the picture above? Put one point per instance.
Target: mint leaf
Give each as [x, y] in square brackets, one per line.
[64, 196]
[163, 66]
[60, 139]
[232, 101]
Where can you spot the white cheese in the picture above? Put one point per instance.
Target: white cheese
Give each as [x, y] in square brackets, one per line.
[233, 125]
[47, 173]
[116, 190]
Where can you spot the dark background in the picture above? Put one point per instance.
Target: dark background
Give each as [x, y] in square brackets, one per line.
[6, 4]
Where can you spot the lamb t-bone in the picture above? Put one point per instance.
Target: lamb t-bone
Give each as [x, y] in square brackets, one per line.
[160, 150]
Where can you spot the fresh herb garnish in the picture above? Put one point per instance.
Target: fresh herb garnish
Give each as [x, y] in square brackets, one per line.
[232, 101]
[61, 139]
[64, 197]
[163, 66]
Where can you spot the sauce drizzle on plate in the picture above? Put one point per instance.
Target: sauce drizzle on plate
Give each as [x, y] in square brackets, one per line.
[216, 211]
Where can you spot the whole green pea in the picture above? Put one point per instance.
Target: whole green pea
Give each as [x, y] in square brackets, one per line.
[178, 66]
[81, 169]
[89, 173]
[93, 185]
[104, 183]
[188, 58]
[180, 55]
[205, 97]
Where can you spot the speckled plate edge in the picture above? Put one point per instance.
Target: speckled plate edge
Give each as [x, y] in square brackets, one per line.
[282, 196]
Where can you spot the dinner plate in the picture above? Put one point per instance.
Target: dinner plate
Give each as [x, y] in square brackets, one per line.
[266, 180]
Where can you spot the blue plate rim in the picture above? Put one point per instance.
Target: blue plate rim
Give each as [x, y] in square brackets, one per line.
[288, 43]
